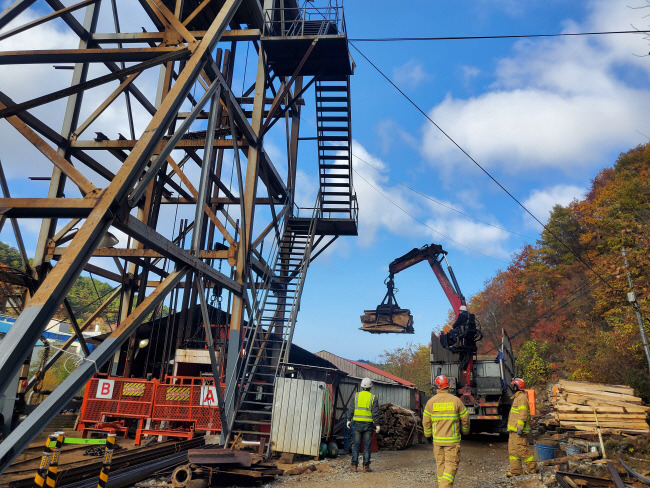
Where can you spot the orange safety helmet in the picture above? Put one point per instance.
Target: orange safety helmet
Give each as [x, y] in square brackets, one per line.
[441, 382]
[518, 383]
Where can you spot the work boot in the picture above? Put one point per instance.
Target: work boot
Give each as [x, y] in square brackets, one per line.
[531, 470]
[510, 474]
[367, 469]
[353, 468]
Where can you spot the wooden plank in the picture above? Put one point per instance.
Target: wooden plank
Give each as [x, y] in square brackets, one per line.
[624, 389]
[595, 393]
[569, 407]
[585, 455]
[592, 430]
[611, 424]
[588, 400]
[401, 317]
[602, 416]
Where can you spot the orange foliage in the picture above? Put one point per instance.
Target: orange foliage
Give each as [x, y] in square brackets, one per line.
[548, 293]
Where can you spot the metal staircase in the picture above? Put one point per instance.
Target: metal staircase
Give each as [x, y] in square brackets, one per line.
[334, 136]
[267, 341]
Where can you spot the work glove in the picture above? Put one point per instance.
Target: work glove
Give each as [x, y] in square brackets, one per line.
[349, 423]
[429, 440]
[520, 432]
[377, 429]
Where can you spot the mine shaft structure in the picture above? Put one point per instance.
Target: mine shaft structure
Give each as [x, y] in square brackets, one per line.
[194, 147]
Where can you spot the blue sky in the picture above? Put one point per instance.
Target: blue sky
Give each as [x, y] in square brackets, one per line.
[542, 115]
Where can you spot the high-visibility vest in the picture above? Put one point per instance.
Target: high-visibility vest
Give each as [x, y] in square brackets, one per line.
[362, 406]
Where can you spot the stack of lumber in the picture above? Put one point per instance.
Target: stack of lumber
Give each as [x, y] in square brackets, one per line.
[612, 408]
[399, 427]
[393, 320]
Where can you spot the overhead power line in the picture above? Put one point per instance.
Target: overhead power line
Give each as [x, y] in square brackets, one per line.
[580, 291]
[557, 238]
[423, 223]
[514, 36]
[423, 195]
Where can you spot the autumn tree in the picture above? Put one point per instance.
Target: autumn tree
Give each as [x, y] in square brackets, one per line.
[568, 291]
[410, 363]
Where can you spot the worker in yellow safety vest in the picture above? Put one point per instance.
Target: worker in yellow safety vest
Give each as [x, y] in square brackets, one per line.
[518, 427]
[364, 411]
[445, 417]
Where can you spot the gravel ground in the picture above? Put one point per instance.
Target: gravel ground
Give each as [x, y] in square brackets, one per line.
[484, 462]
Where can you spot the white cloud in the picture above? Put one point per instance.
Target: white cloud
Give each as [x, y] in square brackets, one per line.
[560, 103]
[390, 132]
[470, 72]
[541, 202]
[397, 211]
[411, 74]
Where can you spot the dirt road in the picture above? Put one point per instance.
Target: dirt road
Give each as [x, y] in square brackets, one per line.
[484, 462]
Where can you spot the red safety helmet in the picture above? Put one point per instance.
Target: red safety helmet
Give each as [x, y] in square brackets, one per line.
[441, 381]
[518, 383]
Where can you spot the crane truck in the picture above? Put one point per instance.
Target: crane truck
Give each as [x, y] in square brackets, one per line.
[482, 382]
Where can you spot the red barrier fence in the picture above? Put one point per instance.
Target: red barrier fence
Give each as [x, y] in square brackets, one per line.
[176, 407]
[188, 399]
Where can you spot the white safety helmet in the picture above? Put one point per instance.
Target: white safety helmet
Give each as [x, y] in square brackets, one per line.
[462, 308]
[366, 383]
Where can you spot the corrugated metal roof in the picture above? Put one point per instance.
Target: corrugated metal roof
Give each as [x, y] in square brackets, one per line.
[399, 380]
[358, 369]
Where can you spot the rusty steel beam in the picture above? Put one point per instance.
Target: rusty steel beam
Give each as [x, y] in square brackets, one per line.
[46, 207]
[79, 87]
[13, 11]
[220, 201]
[89, 321]
[34, 424]
[44, 19]
[88, 145]
[154, 240]
[90, 55]
[59, 161]
[51, 135]
[232, 35]
[56, 285]
[149, 253]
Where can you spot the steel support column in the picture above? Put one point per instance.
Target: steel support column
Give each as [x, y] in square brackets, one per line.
[54, 403]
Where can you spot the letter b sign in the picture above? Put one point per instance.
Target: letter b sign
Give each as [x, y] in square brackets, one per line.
[105, 389]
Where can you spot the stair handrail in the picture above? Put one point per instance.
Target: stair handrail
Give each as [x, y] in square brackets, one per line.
[332, 15]
[304, 264]
[234, 382]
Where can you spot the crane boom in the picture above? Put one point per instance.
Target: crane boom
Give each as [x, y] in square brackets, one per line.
[434, 254]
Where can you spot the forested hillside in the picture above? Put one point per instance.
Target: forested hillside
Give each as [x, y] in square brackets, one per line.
[565, 300]
[85, 295]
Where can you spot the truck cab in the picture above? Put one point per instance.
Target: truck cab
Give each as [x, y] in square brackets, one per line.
[486, 395]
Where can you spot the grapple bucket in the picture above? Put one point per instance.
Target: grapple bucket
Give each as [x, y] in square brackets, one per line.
[387, 319]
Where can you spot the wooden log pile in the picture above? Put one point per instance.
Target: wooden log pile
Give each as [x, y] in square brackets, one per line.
[589, 406]
[399, 427]
[395, 320]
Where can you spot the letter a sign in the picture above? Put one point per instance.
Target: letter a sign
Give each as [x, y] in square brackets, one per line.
[105, 389]
[209, 396]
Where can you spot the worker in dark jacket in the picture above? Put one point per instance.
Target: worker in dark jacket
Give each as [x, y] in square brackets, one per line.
[364, 411]
[518, 427]
[445, 417]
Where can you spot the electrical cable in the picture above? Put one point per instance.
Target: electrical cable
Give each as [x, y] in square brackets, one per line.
[578, 292]
[424, 224]
[561, 241]
[60, 321]
[513, 36]
[427, 196]
[438, 202]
